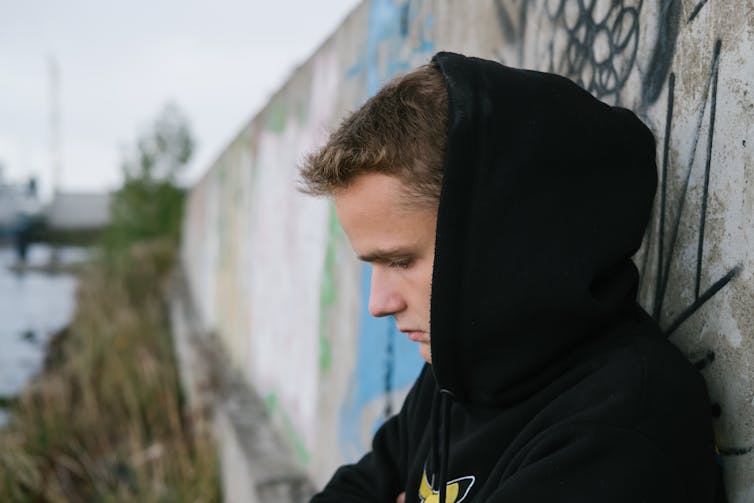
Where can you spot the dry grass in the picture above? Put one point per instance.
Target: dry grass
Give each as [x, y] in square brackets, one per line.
[104, 422]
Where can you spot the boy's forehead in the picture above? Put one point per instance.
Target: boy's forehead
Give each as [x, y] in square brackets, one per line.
[376, 213]
[392, 190]
[382, 191]
[370, 194]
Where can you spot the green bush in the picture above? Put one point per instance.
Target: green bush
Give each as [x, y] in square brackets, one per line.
[149, 205]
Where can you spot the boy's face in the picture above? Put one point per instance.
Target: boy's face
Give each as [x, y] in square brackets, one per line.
[398, 239]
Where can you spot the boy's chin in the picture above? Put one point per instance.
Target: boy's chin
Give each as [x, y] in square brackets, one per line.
[425, 350]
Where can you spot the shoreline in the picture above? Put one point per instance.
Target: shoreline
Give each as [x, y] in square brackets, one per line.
[39, 303]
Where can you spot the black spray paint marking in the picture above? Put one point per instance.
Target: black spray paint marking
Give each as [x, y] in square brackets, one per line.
[511, 33]
[696, 10]
[663, 196]
[603, 75]
[404, 21]
[389, 369]
[715, 410]
[704, 361]
[734, 451]
[661, 59]
[699, 302]
[703, 218]
[665, 262]
[692, 157]
[507, 28]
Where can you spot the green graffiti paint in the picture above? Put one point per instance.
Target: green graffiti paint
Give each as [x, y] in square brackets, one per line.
[277, 116]
[328, 294]
[296, 442]
[302, 113]
[291, 436]
[271, 403]
[325, 352]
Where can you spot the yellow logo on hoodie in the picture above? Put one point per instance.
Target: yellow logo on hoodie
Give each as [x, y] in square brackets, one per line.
[455, 492]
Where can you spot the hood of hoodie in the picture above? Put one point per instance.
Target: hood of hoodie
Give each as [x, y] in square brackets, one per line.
[546, 195]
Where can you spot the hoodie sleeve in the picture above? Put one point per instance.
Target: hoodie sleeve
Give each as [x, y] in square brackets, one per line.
[380, 475]
[594, 462]
[376, 477]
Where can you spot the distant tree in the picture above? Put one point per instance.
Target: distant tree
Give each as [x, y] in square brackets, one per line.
[163, 150]
[149, 205]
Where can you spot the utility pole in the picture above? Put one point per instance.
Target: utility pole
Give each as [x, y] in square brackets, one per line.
[55, 151]
[55, 155]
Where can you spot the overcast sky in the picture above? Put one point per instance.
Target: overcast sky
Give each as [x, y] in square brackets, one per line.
[120, 62]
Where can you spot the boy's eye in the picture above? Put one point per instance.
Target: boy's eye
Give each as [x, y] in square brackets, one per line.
[400, 263]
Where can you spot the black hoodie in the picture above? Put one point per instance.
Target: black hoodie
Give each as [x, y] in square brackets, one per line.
[549, 383]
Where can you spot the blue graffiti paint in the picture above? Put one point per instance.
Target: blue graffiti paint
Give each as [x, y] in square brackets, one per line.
[424, 28]
[384, 25]
[368, 382]
[390, 24]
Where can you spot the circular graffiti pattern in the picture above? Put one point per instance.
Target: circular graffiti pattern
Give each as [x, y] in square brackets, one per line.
[597, 43]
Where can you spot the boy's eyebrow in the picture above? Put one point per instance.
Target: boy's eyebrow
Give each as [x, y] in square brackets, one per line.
[383, 255]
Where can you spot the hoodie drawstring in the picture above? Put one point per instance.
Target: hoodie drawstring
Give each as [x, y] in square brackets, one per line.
[434, 458]
[445, 406]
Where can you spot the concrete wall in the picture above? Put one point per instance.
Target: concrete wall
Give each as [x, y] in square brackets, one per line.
[272, 274]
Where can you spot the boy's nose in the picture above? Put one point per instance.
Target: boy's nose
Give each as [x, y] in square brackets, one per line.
[384, 299]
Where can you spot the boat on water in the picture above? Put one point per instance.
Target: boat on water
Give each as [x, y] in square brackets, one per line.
[21, 211]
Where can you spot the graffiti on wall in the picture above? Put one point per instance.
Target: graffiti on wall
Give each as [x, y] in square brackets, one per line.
[627, 52]
[666, 242]
[668, 231]
[597, 44]
[386, 363]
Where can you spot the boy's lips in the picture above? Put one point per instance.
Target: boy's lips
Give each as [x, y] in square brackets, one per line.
[416, 335]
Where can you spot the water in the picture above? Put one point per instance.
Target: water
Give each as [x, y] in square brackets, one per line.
[33, 307]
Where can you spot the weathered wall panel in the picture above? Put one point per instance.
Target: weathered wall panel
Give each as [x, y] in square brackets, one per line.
[272, 272]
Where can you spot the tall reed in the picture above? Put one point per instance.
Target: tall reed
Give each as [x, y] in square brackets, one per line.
[104, 421]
